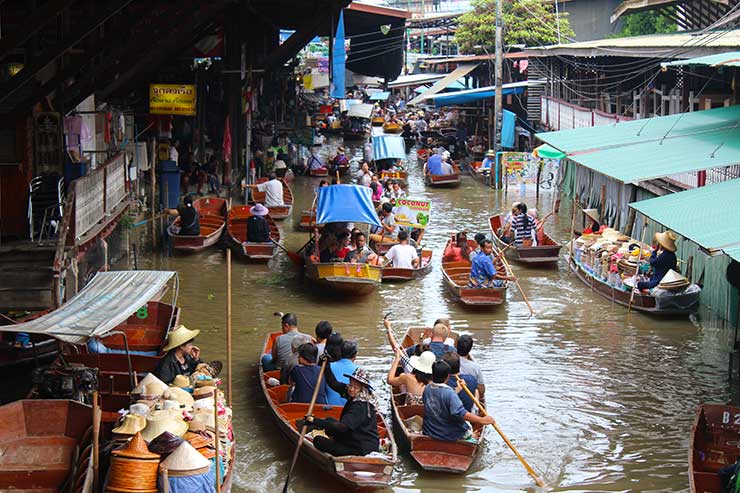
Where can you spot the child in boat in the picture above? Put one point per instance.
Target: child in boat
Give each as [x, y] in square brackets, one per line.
[305, 374]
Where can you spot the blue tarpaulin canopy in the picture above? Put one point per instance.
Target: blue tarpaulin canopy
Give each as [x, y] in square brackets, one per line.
[462, 97]
[346, 204]
[380, 96]
[388, 146]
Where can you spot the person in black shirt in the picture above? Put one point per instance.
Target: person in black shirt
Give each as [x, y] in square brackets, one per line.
[258, 229]
[661, 260]
[182, 356]
[356, 432]
[189, 218]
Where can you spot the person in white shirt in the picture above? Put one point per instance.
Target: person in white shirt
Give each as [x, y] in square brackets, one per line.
[174, 155]
[403, 255]
[273, 189]
[364, 176]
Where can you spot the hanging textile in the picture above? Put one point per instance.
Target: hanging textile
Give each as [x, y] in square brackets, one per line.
[338, 61]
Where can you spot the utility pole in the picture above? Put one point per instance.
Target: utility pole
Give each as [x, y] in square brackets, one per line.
[499, 98]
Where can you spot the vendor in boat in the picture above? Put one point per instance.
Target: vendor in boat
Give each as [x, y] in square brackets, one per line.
[340, 160]
[444, 414]
[258, 229]
[356, 431]
[483, 273]
[459, 250]
[592, 216]
[489, 161]
[182, 356]
[189, 217]
[273, 190]
[661, 260]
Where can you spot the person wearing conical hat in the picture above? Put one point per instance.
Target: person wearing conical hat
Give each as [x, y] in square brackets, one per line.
[182, 356]
[662, 260]
[592, 216]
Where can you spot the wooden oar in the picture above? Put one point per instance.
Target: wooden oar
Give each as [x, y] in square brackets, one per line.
[519, 287]
[297, 259]
[483, 411]
[304, 427]
[637, 269]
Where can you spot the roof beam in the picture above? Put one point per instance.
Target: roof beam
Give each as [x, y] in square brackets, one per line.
[293, 44]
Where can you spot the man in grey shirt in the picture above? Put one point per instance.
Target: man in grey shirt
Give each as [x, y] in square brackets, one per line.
[468, 366]
[281, 349]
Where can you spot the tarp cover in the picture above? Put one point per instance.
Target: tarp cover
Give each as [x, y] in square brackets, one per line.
[388, 146]
[346, 203]
[472, 95]
[360, 111]
[380, 96]
[106, 302]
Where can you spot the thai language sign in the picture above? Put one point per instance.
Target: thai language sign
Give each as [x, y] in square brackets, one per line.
[514, 160]
[413, 213]
[172, 99]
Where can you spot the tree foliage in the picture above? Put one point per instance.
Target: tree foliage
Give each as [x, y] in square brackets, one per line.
[529, 22]
[641, 23]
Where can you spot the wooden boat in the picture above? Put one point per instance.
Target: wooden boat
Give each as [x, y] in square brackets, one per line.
[318, 172]
[355, 133]
[481, 176]
[212, 216]
[367, 472]
[391, 273]
[392, 128]
[280, 212]
[44, 445]
[236, 235]
[546, 253]
[344, 278]
[377, 121]
[402, 175]
[429, 453]
[455, 276]
[13, 357]
[451, 180]
[642, 302]
[308, 220]
[714, 445]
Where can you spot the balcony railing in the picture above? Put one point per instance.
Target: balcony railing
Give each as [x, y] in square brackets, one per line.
[559, 115]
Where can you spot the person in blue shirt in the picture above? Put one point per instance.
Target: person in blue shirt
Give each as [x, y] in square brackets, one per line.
[304, 375]
[434, 164]
[453, 359]
[344, 366]
[444, 414]
[437, 344]
[661, 260]
[489, 161]
[483, 272]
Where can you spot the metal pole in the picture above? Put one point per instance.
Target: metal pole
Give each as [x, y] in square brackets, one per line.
[499, 79]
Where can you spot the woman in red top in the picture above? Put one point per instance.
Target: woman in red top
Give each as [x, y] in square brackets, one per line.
[458, 251]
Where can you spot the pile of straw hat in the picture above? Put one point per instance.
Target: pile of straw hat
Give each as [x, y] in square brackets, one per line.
[160, 421]
[133, 468]
[186, 461]
[131, 424]
[673, 281]
[150, 387]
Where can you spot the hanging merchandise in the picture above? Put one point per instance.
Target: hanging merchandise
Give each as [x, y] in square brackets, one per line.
[77, 136]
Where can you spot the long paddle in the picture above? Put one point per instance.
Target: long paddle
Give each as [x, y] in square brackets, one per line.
[529, 469]
[297, 259]
[304, 427]
[519, 287]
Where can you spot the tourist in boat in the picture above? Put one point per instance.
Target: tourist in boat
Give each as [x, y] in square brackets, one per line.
[396, 191]
[323, 330]
[362, 254]
[467, 365]
[340, 367]
[329, 249]
[524, 227]
[281, 165]
[489, 162]
[459, 250]
[182, 356]
[506, 233]
[414, 382]
[433, 165]
[356, 431]
[661, 260]
[438, 344]
[479, 237]
[273, 189]
[292, 360]
[453, 359]
[258, 229]
[344, 245]
[364, 176]
[483, 272]
[334, 346]
[314, 161]
[444, 414]
[281, 349]
[377, 190]
[539, 230]
[446, 167]
[389, 226]
[403, 255]
[339, 160]
[189, 217]
[305, 374]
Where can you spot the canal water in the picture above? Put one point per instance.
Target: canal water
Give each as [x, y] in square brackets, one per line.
[594, 399]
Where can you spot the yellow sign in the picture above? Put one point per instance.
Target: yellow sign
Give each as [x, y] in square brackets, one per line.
[172, 99]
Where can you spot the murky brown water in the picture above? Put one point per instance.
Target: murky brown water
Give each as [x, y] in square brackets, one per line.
[594, 399]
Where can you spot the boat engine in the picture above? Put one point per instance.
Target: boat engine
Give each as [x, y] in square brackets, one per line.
[76, 383]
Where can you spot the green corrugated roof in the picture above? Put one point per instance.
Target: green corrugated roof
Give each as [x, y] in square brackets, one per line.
[729, 59]
[706, 215]
[636, 150]
[733, 253]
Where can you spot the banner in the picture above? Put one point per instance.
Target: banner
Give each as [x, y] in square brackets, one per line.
[413, 213]
[521, 168]
[172, 99]
[338, 61]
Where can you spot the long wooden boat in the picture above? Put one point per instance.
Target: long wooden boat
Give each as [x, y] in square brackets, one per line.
[39, 351]
[546, 253]
[391, 273]
[392, 128]
[642, 302]
[451, 180]
[308, 220]
[355, 133]
[377, 121]
[318, 172]
[402, 175]
[366, 472]
[236, 236]
[481, 176]
[455, 276]
[212, 216]
[343, 277]
[44, 445]
[714, 445]
[280, 212]
[429, 453]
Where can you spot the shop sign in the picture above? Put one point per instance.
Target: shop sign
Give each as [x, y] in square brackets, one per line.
[514, 161]
[413, 213]
[172, 99]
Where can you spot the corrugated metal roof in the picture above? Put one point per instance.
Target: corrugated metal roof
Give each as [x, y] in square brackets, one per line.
[733, 253]
[690, 215]
[106, 302]
[728, 59]
[415, 79]
[460, 71]
[641, 150]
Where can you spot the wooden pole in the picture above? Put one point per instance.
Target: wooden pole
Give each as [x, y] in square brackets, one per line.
[153, 179]
[96, 442]
[217, 441]
[165, 479]
[572, 232]
[516, 281]
[228, 325]
[602, 212]
[639, 263]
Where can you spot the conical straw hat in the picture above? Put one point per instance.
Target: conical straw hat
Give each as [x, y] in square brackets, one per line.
[140, 409]
[149, 380]
[185, 458]
[131, 425]
[592, 213]
[182, 396]
[160, 421]
[135, 449]
[180, 336]
[667, 240]
[673, 277]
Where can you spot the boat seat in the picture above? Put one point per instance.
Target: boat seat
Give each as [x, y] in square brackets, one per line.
[707, 482]
[42, 461]
[279, 393]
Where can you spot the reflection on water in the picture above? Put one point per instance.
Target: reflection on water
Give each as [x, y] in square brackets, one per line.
[594, 399]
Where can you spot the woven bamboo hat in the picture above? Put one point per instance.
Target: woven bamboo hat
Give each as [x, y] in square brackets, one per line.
[592, 213]
[181, 381]
[667, 240]
[131, 425]
[135, 449]
[157, 385]
[204, 392]
[673, 281]
[184, 459]
[183, 397]
[140, 409]
[160, 421]
[180, 336]
[166, 443]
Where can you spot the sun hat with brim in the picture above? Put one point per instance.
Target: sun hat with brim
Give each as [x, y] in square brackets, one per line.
[160, 421]
[139, 408]
[204, 392]
[153, 392]
[259, 210]
[181, 381]
[182, 397]
[165, 443]
[490, 153]
[592, 213]
[150, 379]
[424, 362]
[667, 240]
[361, 376]
[180, 336]
[186, 459]
[198, 440]
[132, 424]
[135, 449]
